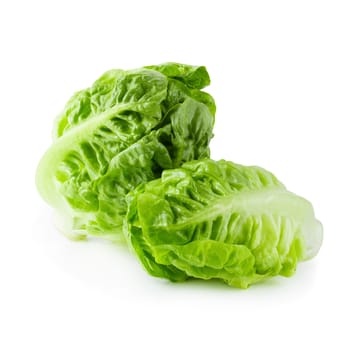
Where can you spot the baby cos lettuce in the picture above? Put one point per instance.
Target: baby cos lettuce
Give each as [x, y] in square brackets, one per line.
[122, 131]
[130, 155]
[220, 220]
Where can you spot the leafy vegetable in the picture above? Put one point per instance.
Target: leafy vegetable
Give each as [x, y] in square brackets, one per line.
[220, 220]
[130, 154]
[122, 131]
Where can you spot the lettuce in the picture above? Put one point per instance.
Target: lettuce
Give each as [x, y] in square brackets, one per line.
[220, 220]
[121, 132]
[130, 159]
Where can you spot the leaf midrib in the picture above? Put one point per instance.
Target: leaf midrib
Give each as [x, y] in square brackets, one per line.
[268, 200]
[69, 141]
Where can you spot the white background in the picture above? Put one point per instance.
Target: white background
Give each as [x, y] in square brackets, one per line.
[281, 79]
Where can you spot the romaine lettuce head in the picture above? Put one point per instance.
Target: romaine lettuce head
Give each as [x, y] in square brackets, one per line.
[220, 220]
[122, 131]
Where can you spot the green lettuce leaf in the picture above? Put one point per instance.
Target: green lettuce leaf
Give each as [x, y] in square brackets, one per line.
[121, 132]
[220, 220]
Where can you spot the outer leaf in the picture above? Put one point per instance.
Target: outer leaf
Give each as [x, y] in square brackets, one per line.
[220, 220]
[135, 89]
